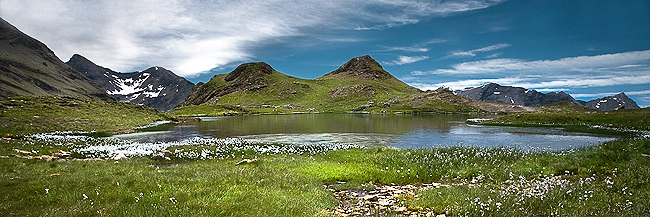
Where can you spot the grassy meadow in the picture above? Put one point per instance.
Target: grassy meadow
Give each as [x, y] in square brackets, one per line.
[208, 177]
[41, 114]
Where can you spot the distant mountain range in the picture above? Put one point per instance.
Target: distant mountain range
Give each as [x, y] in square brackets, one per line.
[520, 96]
[155, 87]
[29, 67]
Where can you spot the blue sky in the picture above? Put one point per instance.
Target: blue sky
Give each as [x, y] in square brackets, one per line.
[588, 48]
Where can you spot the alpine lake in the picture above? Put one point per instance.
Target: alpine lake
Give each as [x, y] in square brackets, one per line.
[371, 130]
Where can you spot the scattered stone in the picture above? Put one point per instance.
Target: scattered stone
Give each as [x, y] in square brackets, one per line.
[162, 154]
[117, 156]
[246, 161]
[46, 157]
[361, 108]
[382, 201]
[22, 152]
[61, 154]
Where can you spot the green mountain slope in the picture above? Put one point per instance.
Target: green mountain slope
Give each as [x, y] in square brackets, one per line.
[28, 67]
[360, 85]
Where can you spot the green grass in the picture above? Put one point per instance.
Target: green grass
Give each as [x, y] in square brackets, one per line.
[577, 118]
[292, 184]
[38, 114]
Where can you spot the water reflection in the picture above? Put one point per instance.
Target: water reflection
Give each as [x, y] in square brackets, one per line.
[401, 131]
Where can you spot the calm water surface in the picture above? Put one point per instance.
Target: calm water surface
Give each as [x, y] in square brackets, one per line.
[400, 131]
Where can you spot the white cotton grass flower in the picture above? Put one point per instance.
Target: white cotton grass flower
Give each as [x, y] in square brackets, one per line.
[202, 148]
[47, 190]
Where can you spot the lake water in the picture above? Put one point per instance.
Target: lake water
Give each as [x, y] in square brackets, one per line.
[400, 131]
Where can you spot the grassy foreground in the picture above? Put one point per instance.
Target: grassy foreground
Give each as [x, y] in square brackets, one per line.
[611, 179]
[204, 178]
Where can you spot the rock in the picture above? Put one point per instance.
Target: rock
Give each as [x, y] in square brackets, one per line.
[118, 156]
[162, 154]
[61, 154]
[384, 202]
[361, 108]
[22, 152]
[246, 161]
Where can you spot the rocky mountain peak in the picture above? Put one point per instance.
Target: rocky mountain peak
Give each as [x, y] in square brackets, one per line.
[29, 67]
[612, 103]
[155, 87]
[493, 92]
[249, 71]
[364, 67]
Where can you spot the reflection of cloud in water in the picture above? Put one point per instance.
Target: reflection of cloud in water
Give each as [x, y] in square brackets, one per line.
[534, 139]
[365, 139]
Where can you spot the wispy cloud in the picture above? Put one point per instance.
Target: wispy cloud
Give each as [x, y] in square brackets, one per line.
[192, 37]
[408, 49]
[606, 63]
[419, 47]
[472, 53]
[584, 82]
[401, 60]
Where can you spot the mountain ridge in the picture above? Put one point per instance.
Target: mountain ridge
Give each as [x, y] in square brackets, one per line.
[155, 87]
[493, 92]
[29, 67]
[612, 103]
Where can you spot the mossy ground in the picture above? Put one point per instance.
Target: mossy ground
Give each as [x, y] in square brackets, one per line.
[39, 114]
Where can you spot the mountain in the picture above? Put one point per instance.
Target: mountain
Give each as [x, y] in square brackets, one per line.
[520, 96]
[254, 84]
[29, 67]
[514, 95]
[359, 85]
[364, 67]
[612, 103]
[155, 87]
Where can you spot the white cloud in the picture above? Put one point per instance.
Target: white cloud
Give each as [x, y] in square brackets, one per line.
[606, 63]
[401, 60]
[584, 82]
[409, 49]
[472, 53]
[191, 37]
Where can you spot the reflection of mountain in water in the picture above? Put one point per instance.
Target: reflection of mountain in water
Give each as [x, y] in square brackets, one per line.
[400, 131]
[325, 123]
